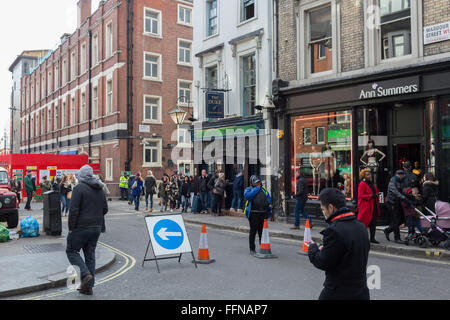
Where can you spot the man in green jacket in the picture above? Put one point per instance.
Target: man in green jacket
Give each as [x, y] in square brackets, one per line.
[29, 190]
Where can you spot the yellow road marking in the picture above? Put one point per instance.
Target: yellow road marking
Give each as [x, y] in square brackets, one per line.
[125, 268]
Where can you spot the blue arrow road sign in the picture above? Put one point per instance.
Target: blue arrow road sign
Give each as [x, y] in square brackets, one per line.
[168, 234]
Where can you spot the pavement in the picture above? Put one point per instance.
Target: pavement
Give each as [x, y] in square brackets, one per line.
[34, 264]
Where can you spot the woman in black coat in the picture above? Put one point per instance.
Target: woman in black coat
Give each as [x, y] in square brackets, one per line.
[430, 189]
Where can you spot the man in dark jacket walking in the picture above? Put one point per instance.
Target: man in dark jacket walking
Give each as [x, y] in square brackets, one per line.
[86, 221]
[202, 183]
[394, 196]
[345, 250]
[301, 198]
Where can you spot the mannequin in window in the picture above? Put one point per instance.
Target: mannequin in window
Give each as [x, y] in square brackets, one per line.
[316, 163]
[330, 164]
[374, 158]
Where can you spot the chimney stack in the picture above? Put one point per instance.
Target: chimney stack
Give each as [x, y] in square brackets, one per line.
[84, 11]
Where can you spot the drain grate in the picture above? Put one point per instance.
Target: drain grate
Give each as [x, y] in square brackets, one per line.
[44, 248]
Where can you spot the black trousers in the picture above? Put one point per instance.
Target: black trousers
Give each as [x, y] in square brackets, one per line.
[256, 221]
[373, 224]
[397, 218]
[29, 198]
[217, 204]
[123, 194]
[345, 294]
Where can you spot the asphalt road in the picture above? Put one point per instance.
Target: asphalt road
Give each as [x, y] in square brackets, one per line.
[236, 275]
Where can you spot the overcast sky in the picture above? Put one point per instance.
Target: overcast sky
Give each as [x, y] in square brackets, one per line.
[30, 25]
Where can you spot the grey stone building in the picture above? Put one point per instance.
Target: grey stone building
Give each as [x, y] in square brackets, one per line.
[23, 64]
[354, 71]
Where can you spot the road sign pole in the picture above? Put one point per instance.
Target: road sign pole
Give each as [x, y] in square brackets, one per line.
[148, 246]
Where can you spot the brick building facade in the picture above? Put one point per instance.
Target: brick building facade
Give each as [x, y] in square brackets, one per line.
[387, 73]
[141, 58]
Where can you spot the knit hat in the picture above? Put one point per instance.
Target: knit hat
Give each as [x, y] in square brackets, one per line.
[86, 172]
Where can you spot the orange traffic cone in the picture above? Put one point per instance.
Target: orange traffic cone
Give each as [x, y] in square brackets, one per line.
[307, 239]
[265, 251]
[203, 250]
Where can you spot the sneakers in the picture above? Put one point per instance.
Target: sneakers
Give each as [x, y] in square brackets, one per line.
[374, 241]
[146, 209]
[252, 252]
[295, 228]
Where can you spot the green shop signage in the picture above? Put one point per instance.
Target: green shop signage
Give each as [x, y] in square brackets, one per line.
[339, 136]
[227, 132]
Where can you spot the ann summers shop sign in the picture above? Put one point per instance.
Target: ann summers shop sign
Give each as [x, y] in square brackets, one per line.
[389, 88]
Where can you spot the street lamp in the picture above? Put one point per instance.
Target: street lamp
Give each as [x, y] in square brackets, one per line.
[178, 115]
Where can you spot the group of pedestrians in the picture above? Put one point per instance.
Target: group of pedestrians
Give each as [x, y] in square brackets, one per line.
[174, 192]
[178, 191]
[212, 190]
[407, 190]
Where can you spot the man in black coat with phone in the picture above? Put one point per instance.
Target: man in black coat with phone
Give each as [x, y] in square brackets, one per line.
[345, 250]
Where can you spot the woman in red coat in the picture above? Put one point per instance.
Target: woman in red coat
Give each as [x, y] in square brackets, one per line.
[368, 206]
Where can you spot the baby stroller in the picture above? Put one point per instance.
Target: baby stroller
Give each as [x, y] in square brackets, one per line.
[436, 227]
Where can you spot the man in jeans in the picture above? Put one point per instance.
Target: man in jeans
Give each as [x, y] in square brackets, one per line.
[301, 198]
[29, 190]
[203, 190]
[238, 188]
[394, 196]
[86, 221]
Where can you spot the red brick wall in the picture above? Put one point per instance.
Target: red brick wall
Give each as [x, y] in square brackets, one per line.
[167, 89]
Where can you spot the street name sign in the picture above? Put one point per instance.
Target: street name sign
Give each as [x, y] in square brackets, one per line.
[168, 237]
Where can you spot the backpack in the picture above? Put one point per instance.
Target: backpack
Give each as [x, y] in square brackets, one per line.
[29, 227]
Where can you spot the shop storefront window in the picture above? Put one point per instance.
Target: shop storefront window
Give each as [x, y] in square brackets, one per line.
[445, 132]
[373, 144]
[430, 153]
[324, 155]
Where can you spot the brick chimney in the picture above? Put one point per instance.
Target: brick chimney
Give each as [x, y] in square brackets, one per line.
[84, 11]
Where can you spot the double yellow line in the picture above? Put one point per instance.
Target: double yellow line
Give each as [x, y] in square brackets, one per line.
[128, 265]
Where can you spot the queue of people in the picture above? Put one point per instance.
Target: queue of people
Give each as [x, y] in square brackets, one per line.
[179, 192]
